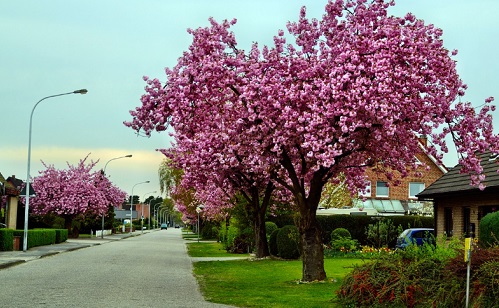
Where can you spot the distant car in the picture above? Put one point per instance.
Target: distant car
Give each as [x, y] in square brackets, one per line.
[164, 226]
[177, 226]
[416, 236]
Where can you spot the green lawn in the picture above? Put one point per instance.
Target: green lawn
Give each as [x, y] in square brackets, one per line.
[209, 249]
[265, 283]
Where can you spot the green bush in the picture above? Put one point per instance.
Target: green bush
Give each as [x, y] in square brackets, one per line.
[6, 239]
[341, 240]
[340, 233]
[234, 238]
[383, 233]
[61, 235]
[288, 242]
[424, 276]
[209, 230]
[489, 230]
[487, 283]
[37, 237]
[269, 228]
[273, 243]
[357, 225]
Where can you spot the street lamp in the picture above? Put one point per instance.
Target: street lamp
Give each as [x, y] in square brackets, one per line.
[26, 207]
[142, 209]
[199, 209]
[104, 173]
[131, 204]
[151, 213]
[156, 213]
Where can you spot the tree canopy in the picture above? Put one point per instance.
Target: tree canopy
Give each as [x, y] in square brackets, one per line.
[353, 89]
[73, 191]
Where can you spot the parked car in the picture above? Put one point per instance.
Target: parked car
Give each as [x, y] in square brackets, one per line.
[177, 226]
[417, 236]
[164, 226]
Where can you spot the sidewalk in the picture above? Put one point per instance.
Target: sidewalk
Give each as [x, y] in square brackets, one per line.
[11, 258]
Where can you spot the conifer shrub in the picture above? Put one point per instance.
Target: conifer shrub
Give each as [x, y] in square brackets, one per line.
[489, 230]
[273, 243]
[288, 242]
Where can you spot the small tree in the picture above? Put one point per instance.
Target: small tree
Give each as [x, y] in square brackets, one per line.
[72, 192]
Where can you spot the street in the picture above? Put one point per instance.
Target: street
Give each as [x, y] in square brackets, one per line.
[150, 270]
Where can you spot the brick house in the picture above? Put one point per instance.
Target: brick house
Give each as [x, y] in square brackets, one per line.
[458, 206]
[389, 199]
[385, 198]
[10, 190]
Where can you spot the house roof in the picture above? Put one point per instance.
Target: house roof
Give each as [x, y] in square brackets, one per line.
[11, 186]
[454, 182]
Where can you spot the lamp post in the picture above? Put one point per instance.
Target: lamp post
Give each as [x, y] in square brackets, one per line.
[26, 208]
[131, 204]
[104, 173]
[142, 210]
[156, 213]
[150, 214]
[199, 209]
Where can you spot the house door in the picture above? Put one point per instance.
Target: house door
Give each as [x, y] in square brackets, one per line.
[448, 224]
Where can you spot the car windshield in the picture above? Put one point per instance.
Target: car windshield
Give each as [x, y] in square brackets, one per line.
[404, 233]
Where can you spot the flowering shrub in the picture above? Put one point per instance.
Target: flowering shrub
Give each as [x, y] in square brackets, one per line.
[425, 276]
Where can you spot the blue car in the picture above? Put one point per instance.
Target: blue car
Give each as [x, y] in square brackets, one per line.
[416, 236]
[164, 226]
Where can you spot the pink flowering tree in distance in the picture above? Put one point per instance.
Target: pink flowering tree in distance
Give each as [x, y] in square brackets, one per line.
[75, 191]
[353, 89]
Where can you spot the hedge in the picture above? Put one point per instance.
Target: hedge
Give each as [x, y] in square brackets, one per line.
[489, 230]
[357, 224]
[37, 237]
[6, 239]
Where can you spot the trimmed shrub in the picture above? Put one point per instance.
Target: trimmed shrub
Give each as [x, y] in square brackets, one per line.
[340, 233]
[489, 230]
[288, 242]
[269, 228]
[6, 239]
[273, 243]
[341, 240]
[61, 235]
[37, 237]
[357, 225]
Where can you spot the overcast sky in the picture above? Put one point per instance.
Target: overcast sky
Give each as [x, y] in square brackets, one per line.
[51, 47]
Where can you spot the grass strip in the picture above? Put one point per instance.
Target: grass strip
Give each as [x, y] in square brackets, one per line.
[269, 283]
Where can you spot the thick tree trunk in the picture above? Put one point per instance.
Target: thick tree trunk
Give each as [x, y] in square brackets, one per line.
[312, 248]
[261, 245]
[68, 224]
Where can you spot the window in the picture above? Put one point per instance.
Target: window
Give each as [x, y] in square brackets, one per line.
[415, 188]
[382, 189]
[367, 188]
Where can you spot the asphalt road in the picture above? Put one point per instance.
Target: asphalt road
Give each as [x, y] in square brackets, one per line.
[150, 270]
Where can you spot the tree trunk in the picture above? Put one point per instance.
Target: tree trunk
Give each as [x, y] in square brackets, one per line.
[261, 245]
[68, 224]
[312, 248]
